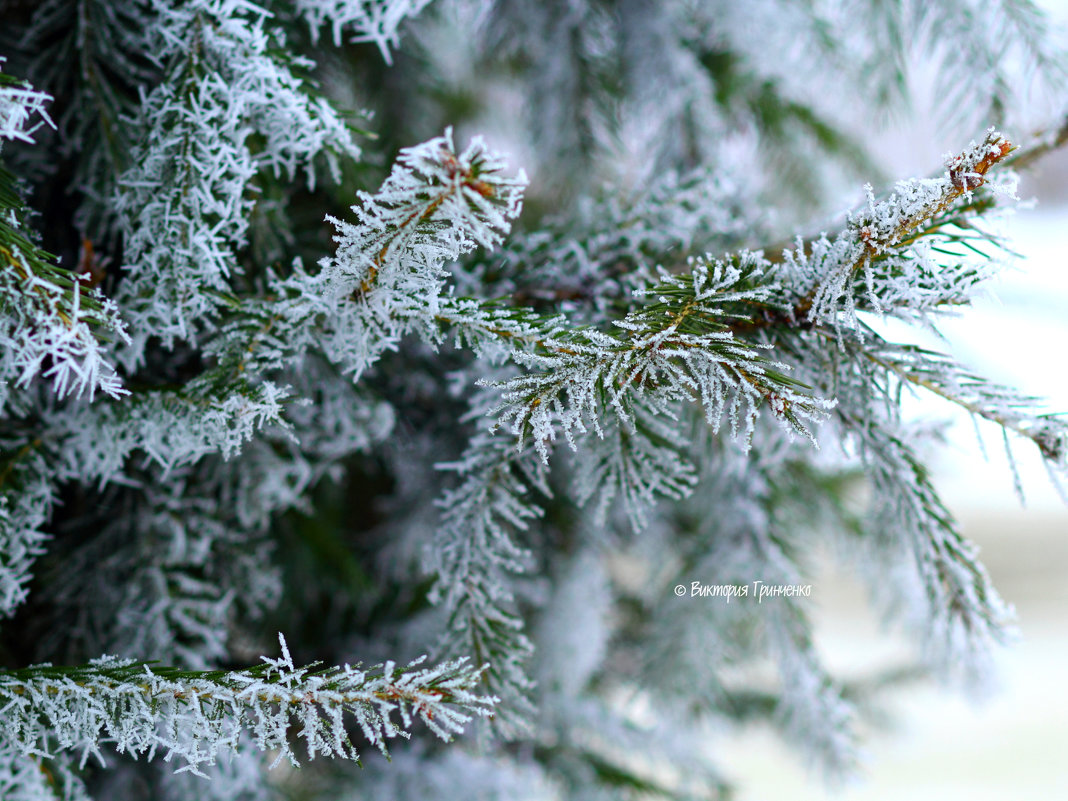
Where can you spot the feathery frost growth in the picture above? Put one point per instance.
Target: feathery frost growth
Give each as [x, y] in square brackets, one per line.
[389, 272]
[49, 320]
[376, 21]
[185, 202]
[19, 104]
[554, 453]
[193, 717]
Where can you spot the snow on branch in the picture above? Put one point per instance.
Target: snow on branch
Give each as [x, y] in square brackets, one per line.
[195, 717]
[385, 281]
[433, 198]
[50, 324]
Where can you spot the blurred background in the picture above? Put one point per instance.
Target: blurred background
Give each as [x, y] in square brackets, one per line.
[1012, 744]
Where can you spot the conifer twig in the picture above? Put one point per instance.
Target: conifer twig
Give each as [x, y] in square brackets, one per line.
[196, 716]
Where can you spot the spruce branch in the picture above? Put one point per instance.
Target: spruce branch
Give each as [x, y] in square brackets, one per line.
[141, 708]
[228, 111]
[876, 263]
[961, 616]
[92, 442]
[388, 274]
[636, 464]
[26, 499]
[1006, 407]
[942, 589]
[882, 228]
[266, 408]
[474, 556]
[430, 185]
[908, 255]
[924, 256]
[52, 327]
[678, 347]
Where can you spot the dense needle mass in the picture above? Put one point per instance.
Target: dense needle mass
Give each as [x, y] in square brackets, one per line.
[546, 439]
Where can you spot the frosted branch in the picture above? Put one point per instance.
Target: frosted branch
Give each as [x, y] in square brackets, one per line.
[376, 21]
[191, 717]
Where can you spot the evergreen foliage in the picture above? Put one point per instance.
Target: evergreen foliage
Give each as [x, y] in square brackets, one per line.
[479, 445]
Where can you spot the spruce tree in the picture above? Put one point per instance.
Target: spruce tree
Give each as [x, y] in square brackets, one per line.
[328, 432]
